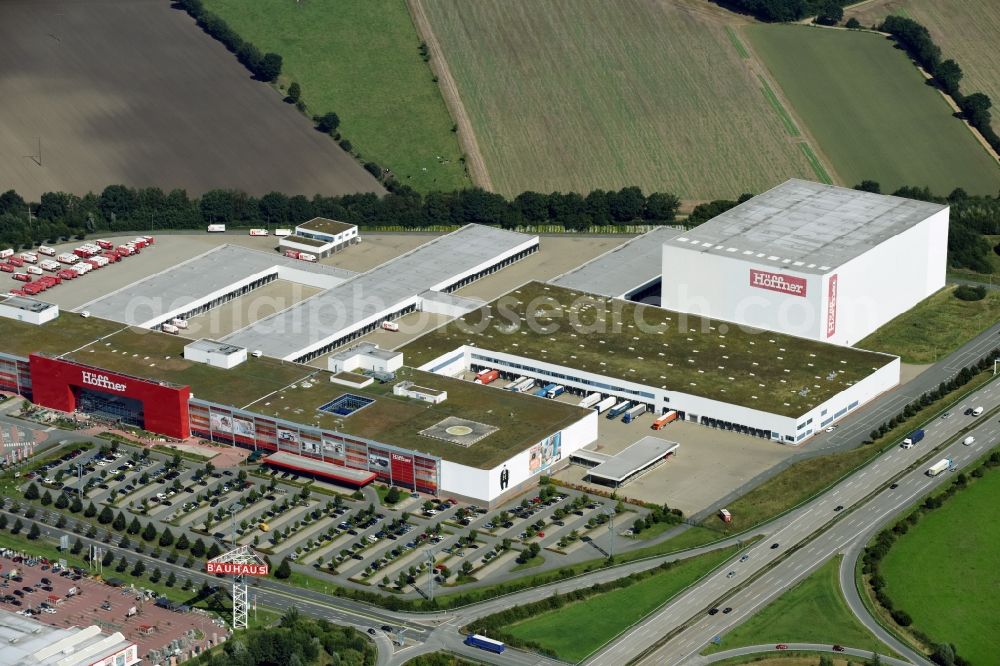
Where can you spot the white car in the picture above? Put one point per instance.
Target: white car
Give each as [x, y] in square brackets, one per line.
[50, 611]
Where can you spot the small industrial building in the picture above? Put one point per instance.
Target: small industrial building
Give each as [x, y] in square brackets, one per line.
[20, 308]
[811, 260]
[321, 237]
[629, 464]
[26, 642]
[214, 353]
[365, 356]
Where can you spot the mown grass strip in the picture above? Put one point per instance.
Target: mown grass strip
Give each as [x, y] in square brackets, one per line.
[816, 165]
[786, 118]
[734, 38]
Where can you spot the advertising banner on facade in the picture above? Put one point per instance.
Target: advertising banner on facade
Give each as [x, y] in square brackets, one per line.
[287, 436]
[333, 448]
[542, 455]
[786, 284]
[232, 425]
[378, 462]
[831, 307]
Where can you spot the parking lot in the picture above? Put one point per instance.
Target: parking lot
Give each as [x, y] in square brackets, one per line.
[64, 598]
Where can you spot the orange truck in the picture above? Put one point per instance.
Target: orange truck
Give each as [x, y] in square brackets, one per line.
[664, 420]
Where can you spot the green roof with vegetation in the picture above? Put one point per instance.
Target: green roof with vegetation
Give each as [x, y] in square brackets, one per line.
[654, 347]
[277, 388]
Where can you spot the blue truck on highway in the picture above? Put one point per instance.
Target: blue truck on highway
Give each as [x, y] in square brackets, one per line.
[913, 438]
[484, 643]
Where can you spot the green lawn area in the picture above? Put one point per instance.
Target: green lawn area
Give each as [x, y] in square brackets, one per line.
[535, 561]
[817, 599]
[871, 111]
[361, 60]
[936, 326]
[992, 257]
[944, 572]
[606, 615]
[655, 347]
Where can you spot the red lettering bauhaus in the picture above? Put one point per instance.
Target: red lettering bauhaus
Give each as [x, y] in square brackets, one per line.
[236, 569]
[786, 284]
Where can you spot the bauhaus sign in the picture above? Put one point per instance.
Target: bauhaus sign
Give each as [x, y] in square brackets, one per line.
[236, 569]
[786, 284]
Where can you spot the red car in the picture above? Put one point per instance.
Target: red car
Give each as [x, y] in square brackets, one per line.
[780, 646]
[838, 648]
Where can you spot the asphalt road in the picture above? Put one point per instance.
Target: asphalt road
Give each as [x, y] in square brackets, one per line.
[810, 647]
[806, 538]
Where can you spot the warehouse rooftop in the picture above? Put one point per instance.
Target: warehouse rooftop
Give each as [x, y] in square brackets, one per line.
[325, 225]
[654, 347]
[324, 318]
[805, 226]
[208, 273]
[26, 304]
[624, 269]
[295, 392]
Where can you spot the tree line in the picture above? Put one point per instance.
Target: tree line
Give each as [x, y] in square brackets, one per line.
[778, 11]
[59, 216]
[264, 66]
[916, 40]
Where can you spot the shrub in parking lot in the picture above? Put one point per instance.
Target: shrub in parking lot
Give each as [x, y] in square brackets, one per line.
[77, 547]
[213, 551]
[76, 506]
[171, 580]
[182, 542]
[61, 522]
[122, 565]
[106, 516]
[139, 568]
[61, 501]
[34, 532]
[29, 512]
[125, 542]
[31, 492]
[198, 548]
[3, 522]
[166, 538]
[156, 575]
[47, 498]
[108, 558]
[284, 570]
[133, 528]
[118, 524]
[18, 526]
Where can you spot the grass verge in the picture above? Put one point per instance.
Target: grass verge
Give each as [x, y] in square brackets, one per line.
[935, 327]
[817, 597]
[535, 561]
[607, 614]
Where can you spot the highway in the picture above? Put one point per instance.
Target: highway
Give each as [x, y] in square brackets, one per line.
[805, 538]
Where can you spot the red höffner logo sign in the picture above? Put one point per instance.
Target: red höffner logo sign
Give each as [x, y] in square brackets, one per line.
[101, 381]
[236, 569]
[786, 284]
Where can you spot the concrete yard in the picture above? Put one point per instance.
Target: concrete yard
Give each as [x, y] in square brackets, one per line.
[709, 464]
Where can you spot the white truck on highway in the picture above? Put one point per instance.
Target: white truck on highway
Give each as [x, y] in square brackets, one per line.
[938, 467]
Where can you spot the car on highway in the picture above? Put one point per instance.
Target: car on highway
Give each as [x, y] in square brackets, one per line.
[894, 486]
[839, 507]
[838, 648]
[946, 415]
[713, 611]
[744, 558]
[730, 574]
[780, 646]
[968, 412]
[727, 610]
[773, 546]
[386, 628]
[371, 630]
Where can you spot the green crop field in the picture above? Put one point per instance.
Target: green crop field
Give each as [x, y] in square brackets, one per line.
[594, 94]
[606, 615]
[871, 111]
[943, 572]
[965, 31]
[360, 60]
[935, 327]
[818, 598]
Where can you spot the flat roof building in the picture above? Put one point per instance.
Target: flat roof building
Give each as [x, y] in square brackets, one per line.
[817, 261]
[633, 461]
[205, 282]
[334, 317]
[28, 310]
[321, 237]
[26, 642]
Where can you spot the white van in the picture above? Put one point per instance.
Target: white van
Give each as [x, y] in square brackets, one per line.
[977, 411]
[968, 441]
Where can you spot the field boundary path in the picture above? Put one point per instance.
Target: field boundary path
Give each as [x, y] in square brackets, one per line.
[474, 160]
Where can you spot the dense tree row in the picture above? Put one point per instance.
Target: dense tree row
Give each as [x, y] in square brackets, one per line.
[916, 39]
[264, 66]
[781, 10]
[118, 209]
[296, 641]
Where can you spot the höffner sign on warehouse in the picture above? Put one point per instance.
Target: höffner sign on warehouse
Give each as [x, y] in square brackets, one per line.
[236, 569]
[101, 381]
[786, 284]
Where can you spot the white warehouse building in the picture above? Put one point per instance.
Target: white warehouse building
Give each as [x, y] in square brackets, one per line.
[811, 260]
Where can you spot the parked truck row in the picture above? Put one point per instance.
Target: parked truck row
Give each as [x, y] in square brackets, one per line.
[66, 265]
